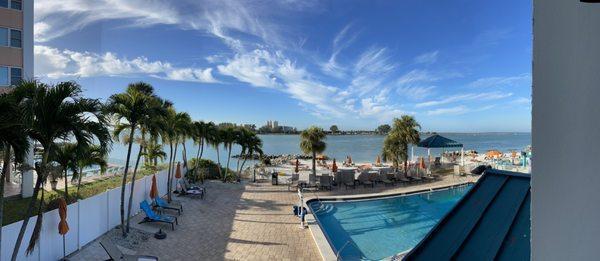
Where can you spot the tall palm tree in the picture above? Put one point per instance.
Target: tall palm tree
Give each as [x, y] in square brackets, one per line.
[186, 130]
[405, 131]
[242, 139]
[312, 141]
[213, 138]
[129, 109]
[13, 137]
[56, 113]
[153, 152]
[175, 126]
[253, 145]
[199, 136]
[66, 156]
[229, 136]
[92, 155]
[393, 149]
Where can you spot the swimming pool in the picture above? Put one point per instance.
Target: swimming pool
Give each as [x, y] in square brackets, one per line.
[373, 229]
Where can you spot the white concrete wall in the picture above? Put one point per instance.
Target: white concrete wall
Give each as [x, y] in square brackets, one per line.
[88, 219]
[566, 131]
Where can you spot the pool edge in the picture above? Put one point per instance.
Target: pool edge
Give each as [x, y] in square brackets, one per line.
[321, 240]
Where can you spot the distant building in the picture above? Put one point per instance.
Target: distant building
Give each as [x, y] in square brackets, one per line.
[16, 42]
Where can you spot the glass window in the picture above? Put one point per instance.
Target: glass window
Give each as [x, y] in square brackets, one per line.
[16, 75]
[4, 3]
[15, 38]
[3, 37]
[16, 4]
[3, 76]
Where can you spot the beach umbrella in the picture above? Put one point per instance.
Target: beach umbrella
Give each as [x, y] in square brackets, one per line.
[493, 153]
[349, 159]
[334, 168]
[422, 163]
[153, 188]
[378, 160]
[178, 171]
[297, 169]
[63, 226]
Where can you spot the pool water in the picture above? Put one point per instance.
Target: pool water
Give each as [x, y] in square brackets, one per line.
[374, 229]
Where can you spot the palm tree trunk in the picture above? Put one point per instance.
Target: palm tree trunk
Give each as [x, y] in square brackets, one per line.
[137, 162]
[201, 147]
[169, 171]
[5, 163]
[228, 158]
[244, 162]
[219, 162]
[38, 183]
[124, 182]
[66, 187]
[184, 154]
[314, 163]
[173, 166]
[79, 181]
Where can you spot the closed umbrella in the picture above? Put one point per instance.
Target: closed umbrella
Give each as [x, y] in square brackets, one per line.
[422, 163]
[349, 159]
[153, 188]
[378, 160]
[178, 173]
[63, 226]
[334, 167]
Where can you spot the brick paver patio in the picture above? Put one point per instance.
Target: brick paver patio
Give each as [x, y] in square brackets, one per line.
[249, 221]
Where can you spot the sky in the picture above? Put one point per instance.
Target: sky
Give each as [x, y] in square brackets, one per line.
[456, 66]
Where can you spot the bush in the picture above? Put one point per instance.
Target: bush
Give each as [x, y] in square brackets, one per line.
[207, 169]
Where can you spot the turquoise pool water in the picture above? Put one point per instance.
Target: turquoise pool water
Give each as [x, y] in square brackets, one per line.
[374, 229]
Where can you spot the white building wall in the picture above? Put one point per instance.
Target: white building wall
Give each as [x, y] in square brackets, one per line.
[566, 131]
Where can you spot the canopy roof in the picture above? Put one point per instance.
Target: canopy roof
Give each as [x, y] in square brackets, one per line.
[490, 222]
[438, 141]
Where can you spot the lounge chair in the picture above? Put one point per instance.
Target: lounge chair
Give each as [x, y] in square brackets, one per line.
[199, 192]
[365, 179]
[293, 181]
[325, 182]
[152, 216]
[115, 254]
[161, 203]
[348, 180]
[384, 179]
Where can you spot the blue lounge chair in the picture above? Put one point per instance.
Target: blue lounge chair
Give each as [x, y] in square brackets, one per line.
[161, 203]
[151, 216]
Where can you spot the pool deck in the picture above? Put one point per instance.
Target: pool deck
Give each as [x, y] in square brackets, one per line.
[248, 221]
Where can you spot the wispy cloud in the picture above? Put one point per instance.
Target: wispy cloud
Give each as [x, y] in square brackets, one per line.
[465, 97]
[55, 63]
[342, 40]
[427, 58]
[370, 70]
[416, 92]
[492, 36]
[505, 81]
[457, 110]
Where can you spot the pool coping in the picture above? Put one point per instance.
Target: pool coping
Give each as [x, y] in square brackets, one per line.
[321, 240]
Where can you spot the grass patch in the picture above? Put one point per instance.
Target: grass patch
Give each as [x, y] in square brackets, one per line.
[14, 209]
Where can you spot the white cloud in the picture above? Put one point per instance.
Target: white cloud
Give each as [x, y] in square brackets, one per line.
[55, 63]
[465, 97]
[461, 109]
[427, 58]
[507, 81]
[522, 100]
[416, 76]
[341, 41]
[416, 92]
[370, 70]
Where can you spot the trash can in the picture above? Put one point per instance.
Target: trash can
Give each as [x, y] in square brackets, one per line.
[274, 180]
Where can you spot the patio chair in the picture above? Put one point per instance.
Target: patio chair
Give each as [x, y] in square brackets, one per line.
[349, 181]
[162, 204]
[325, 182]
[365, 179]
[293, 181]
[115, 254]
[400, 177]
[152, 216]
[384, 179]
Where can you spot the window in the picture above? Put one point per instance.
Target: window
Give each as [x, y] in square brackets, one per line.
[3, 76]
[15, 38]
[4, 3]
[16, 75]
[3, 37]
[16, 4]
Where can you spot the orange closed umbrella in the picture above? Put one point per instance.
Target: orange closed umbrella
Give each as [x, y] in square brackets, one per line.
[297, 169]
[63, 226]
[178, 171]
[334, 168]
[349, 160]
[422, 163]
[153, 188]
[378, 160]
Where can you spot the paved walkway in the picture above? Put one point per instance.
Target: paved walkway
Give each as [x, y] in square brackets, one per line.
[252, 221]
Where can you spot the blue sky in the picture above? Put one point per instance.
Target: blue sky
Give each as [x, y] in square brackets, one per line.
[461, 65]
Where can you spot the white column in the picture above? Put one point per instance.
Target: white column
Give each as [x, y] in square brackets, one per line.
[412, 153]
[27, 176]
[462, 156]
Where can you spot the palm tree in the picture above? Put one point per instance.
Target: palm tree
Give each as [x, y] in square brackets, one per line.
[129, 109]
[186, 129]
[242, 139]
[13, 136]
[175, 126]
[253, 145]
[65, 155]
[228, 136]
[393, 150]
[89, 156]
[56, 113]
[405, 131]
[199, 136]
[153, 152]
[312, 141]
[213, 138]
